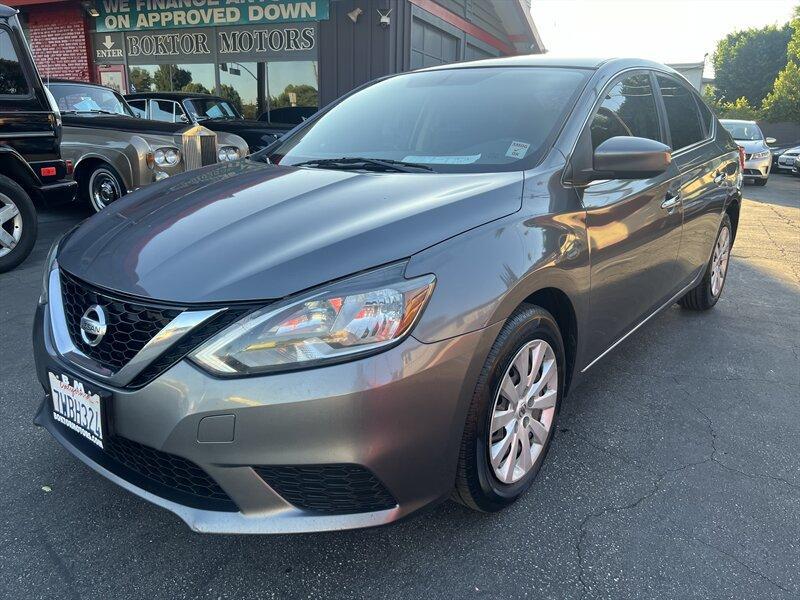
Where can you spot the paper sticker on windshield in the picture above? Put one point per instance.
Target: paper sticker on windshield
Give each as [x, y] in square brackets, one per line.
[443, 160]
[517, 149]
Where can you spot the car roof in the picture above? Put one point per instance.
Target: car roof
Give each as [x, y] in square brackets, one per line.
[547, 60]
[742, 121]
[171, 95]
[74, 82]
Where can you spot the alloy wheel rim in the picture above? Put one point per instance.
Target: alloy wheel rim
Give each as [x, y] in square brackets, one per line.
[523, 412]
[104, 189]
[10, 225]
[719, 261]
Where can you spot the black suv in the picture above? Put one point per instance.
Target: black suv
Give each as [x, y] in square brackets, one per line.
[30, 135]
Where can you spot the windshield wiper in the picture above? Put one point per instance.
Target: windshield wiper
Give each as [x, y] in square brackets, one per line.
[358, 162]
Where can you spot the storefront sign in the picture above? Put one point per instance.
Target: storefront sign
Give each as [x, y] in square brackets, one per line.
[137, 15]
[207, 45]
[108, 48]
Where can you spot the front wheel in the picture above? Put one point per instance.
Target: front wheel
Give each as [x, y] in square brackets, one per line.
[18, 224]
[706, 293]
[761, 182]
[513, 413]
[101, 187]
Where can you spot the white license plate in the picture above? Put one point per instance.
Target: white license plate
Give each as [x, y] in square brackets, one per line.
[76, 408]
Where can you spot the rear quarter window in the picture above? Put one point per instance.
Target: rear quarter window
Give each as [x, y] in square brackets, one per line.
[12, 77]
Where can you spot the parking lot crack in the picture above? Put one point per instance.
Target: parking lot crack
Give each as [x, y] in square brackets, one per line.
[715, 453]
[732, 558]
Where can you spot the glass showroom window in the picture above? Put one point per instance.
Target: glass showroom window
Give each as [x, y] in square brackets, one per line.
[282, 91]
[238, 82]
[293, 91]
[197, 78]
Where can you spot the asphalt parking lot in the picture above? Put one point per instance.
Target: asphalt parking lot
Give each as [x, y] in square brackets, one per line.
[676, 473]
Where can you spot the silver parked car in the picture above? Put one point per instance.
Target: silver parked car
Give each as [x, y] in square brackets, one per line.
[386, 308]
[787, 158]
[757, 154]
[113, 152]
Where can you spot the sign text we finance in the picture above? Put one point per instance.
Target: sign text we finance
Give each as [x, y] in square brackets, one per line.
[132, 15]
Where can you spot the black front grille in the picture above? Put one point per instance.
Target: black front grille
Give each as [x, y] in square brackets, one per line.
[130, 324]
[329, 489]
[168, 470]
[165, 475]
[188, 343]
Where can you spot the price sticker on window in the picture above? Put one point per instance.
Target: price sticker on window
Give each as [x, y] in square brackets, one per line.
[517, 149]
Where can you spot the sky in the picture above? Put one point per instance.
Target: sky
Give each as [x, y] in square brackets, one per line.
[667, 31]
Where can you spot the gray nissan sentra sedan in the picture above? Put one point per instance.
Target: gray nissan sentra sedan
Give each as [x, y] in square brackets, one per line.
[386, 308]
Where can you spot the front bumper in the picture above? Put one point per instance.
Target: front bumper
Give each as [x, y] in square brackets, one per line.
[785, 163]
[757, 168]
[399, 415]
[55, 194]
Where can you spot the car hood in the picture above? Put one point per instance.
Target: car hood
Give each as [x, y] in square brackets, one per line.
[123, 123]
[250, 231]
[751, 146]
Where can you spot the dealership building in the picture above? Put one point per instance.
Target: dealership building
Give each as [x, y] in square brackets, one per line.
[266, 54]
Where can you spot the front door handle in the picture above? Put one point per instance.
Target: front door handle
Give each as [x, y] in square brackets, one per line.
[671, 201]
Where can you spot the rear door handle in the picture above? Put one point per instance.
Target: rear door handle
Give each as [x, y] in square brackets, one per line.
[671, 201]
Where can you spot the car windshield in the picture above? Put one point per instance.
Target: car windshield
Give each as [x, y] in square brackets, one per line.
[212, 108]
[743, 131]
[478, 119]
[76, 98]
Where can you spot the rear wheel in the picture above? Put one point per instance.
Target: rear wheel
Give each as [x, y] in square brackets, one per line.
[513, 413]
[706, 293]
[18, 224]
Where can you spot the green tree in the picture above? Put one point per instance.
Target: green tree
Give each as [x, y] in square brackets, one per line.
[783, 102]
[303, 95]
[747, 62]
[140, 80]
[171, 77]
[228, 92]
[195, 88]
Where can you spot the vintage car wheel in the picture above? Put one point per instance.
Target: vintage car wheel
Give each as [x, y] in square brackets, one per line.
[102, 187]
[17, 224]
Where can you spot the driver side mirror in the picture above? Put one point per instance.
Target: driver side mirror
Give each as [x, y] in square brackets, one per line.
[770, 140]
[628, 157]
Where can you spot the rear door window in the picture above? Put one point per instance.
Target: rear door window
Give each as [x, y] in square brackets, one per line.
[12, 77]
[165, 110]
[628, 109]
[139, 107]
[683, 115]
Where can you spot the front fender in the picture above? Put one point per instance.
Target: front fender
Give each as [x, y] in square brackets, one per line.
[484, 274]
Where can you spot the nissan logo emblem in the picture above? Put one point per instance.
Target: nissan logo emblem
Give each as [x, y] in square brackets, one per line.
[93, 325]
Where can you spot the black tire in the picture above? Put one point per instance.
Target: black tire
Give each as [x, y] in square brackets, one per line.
[477, 486]
[700, 297]
[761, 182]
[26, 225]
[88, 178]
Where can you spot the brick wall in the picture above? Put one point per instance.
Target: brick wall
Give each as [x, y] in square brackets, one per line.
[58, 36]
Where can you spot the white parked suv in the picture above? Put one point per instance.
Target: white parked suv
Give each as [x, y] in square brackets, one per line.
[757, 155]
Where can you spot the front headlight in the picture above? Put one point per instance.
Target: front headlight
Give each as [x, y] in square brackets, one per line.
[49, 265]
[166, 157]
[762, 154]
[350, 318]
[227, 154]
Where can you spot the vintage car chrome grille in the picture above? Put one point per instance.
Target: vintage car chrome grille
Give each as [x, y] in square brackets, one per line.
[199, 146]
